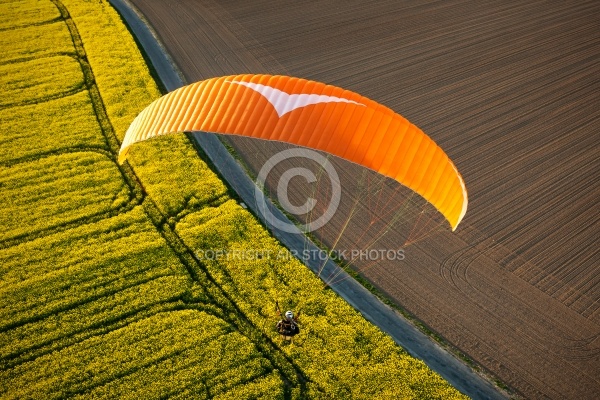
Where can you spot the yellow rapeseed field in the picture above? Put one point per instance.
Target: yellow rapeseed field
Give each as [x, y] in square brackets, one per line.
[106, 286]
[22, 82]
[190, 185]
[36, 41]
[45, 192]
[25, 13]
[71, 118]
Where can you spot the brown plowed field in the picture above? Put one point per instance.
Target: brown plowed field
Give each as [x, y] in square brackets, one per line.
[510, 89]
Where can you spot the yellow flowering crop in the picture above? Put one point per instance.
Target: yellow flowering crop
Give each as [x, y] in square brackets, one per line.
[24, 84]
[182, 352]
[15, 14]
[69, 119]
[57, 189]
[106, 287]
[35, 41]
[121, 73]
[340, 351]
[174, 176]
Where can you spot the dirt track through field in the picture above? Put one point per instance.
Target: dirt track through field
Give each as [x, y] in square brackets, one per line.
[510, 91]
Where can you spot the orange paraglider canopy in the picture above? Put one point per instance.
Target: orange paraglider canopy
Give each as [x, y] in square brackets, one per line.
[313, 115]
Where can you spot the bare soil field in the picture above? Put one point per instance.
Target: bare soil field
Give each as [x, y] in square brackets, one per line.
[510, 91]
